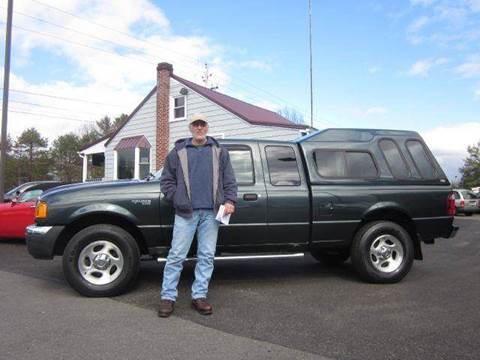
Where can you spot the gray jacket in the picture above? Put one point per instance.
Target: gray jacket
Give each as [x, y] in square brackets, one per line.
[175, 183]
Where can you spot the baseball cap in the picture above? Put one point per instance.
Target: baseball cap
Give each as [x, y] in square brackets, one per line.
[197, 117]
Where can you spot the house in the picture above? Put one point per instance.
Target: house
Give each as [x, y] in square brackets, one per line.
[140, 145]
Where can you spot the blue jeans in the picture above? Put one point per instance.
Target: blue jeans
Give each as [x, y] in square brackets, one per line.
[183, 232]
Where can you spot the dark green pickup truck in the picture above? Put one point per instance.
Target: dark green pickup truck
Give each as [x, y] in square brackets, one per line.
[371, 195]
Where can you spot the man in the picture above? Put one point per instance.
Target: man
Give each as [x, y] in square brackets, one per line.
[198, 178]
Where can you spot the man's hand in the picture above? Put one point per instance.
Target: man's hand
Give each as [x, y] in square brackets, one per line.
[229, 208]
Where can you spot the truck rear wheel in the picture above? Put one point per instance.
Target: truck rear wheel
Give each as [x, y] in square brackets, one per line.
[382, 252]
[101, 260]
[331, 257]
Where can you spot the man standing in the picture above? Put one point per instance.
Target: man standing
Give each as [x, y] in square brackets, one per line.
[197, 177]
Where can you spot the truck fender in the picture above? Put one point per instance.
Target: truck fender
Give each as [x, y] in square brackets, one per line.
[385, 206]
[103, 208]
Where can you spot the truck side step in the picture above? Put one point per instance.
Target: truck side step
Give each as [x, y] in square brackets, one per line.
[244, 257]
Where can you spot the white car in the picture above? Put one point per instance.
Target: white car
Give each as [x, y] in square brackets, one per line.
[466, 201]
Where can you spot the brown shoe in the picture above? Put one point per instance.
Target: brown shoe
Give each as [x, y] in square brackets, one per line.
[165, 308]
[202, 306]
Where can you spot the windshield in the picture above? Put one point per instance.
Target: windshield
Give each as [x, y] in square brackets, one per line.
[467, 195]
[12, 192]
[31, 195]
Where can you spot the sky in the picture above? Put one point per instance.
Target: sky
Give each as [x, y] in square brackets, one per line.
[405, 64]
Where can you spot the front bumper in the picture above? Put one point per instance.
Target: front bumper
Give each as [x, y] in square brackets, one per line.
[41, 240]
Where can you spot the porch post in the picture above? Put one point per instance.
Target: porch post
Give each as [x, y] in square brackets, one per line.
[85, 168]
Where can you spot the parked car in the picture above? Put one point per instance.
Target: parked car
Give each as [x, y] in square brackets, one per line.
[17, 214]
[372, 195]
[466, 202]
[32, 185]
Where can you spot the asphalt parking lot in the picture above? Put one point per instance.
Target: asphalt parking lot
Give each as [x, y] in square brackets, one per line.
[294, 308]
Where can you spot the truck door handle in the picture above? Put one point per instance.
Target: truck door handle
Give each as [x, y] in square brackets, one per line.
[250, 197]
[329, 205]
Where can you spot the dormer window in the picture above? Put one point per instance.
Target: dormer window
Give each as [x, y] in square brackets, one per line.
[179, 107]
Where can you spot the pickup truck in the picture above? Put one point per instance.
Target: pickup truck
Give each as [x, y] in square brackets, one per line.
[370, 195]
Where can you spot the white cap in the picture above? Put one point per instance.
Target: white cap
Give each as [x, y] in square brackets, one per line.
[197, 117]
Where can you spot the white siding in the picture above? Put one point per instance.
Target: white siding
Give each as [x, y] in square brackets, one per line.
[220, 121]
[142, 123]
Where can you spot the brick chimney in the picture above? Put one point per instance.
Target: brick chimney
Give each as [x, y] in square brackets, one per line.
[164, 70]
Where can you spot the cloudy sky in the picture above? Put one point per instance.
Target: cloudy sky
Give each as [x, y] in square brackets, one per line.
[407, 64]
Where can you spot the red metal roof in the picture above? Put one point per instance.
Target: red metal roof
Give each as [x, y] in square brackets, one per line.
[133, 142]
[251, 113]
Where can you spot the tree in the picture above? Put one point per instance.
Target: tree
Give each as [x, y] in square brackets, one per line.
[470, 170]
[67, 163]
[107, 126]
[10, 167]
[30, 150]
[292, 115]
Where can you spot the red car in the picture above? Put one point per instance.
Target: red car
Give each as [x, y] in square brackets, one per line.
[15, 216]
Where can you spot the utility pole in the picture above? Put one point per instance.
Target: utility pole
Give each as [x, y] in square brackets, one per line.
[311, 69]
[6, 82]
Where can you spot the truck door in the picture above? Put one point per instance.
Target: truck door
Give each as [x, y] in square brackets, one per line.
[248, 223]
[288, 204]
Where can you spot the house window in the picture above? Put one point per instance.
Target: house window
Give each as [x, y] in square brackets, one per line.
[144, 163]
[179, 107]
[126, 163]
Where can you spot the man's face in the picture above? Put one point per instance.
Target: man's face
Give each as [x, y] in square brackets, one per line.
[199, 130]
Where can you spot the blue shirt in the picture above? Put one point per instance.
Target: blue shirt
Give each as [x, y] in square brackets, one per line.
[200, 173]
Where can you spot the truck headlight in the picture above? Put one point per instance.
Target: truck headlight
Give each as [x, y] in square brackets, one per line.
[41, 210]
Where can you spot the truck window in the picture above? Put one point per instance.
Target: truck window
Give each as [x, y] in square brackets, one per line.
[360, 165]
[421, 159]
[330, 163]
[394, 159]
[282, 166]
[242, 164]
[345, 164]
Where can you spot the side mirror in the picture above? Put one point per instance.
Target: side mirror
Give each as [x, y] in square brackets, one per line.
[14, 201]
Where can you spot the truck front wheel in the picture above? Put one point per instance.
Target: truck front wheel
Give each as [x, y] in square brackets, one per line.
[382, 252]
[101, 260]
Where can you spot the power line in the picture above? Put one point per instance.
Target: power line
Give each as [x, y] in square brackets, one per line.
[80, 44]
[53, 107]
[51, 116]
[190, 59]
[63, 98]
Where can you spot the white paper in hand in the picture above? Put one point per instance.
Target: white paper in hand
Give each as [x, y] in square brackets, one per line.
[224, 219]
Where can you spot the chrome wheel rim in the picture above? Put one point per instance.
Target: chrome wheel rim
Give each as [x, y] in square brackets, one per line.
[386, 253]
[100, 262]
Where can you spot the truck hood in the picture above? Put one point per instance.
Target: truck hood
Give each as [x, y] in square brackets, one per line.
[99, 190]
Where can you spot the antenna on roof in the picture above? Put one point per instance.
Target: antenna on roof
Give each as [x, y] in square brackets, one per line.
[311, 70]
[206, 78]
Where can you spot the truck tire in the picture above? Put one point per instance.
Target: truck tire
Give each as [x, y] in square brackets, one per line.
[382, 252]
[101, 260]
[331, 257]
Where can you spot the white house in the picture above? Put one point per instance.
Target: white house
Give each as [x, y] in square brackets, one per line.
[141, 144]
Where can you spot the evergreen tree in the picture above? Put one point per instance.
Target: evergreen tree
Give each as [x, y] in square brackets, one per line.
[67, 164]
[471, 167]
[32, 156]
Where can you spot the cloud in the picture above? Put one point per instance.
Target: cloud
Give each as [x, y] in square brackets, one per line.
[469, 69]
[109, 52]
[477, 94]
[423, 67]
[449, 144]
[372, 70]
[418, 24]
[376, 110]
[422, 2]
